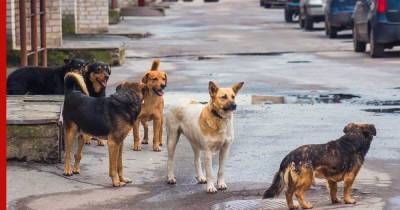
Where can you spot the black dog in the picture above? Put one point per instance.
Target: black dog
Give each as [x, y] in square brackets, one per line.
[35, 80]
[96, 78]
[111, 116]
[335, 161]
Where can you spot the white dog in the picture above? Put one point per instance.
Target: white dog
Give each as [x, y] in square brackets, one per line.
[208, 128]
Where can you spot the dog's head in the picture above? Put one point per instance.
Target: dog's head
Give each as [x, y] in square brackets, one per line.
[75, 65]
[368, 130]
[98, 74]
[223, 99]
[137, 88]
[155, 80]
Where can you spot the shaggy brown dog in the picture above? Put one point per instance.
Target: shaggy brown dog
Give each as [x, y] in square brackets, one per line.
[111, 116]
[334, 161]
[152, 108]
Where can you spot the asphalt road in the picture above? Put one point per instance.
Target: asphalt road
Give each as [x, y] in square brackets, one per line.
[228, 42]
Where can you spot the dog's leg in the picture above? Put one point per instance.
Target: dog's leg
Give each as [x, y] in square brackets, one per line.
[333, 191]
[289, 198]
[100, 142]
[161, 130]
[113, 149]
[172, 141]
[145, 132]
[306, 181]
[201, 179]
[120, 167]
[156, 137]
[78, 155]
[208, 165]
[223, 154]
[136, 138]
[70, 133]
[348, 182]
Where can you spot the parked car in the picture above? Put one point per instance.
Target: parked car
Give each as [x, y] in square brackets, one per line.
[376, 22]
[269, 3]
[292, 8]
[338, 16]
[311, 11]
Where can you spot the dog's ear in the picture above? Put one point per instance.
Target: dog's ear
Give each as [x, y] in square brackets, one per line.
[145, 78]
[120, 86]
[369, 129]
[67, 61]
[236, 87]
[348, 127]
[212, 88]
[166, 79]
[109, 69]
[155, 65]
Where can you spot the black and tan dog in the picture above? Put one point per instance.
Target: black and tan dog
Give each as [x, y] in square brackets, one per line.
[96, 78]
[36, 80]
[111, 116]
[335, 161]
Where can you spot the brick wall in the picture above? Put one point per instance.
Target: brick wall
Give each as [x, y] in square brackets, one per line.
[68, 7]
[53, 26]
[91, 16]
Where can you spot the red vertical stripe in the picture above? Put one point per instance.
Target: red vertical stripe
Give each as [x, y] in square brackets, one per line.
[3, 146]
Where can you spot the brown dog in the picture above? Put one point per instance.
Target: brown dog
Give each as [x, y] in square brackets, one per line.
[335, 161]
[152, 108]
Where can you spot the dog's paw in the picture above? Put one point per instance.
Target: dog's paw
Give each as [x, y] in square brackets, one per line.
[335, 200]
[145, 141]
[76, 171]
[349, 201]
[306, 205]
[222, 186]
[119, 184]
[211, 189]
[171, 180]
[136, 148]
[156, 148]
[100, 142]
[201, 180]
[68, 171]
[125, 180]
[294, 206]
[160, 144]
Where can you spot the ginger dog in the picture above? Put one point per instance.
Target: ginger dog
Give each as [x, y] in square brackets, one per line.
[152, 108]
[208, 128]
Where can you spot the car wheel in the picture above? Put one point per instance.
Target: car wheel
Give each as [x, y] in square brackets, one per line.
[332, 32]
[301, 20]
[376, 50]
[308, 22]
[288, 16]
[358, 45]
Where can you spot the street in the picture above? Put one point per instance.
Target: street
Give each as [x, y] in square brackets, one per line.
[229, 42]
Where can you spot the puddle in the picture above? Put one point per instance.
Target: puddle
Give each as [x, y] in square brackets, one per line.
[334, 98]
[299, 62]
[384, 103]
[384, 110]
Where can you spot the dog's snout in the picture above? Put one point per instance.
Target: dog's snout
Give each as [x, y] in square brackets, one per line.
[233, 106]
[107, 76]
[163, 86]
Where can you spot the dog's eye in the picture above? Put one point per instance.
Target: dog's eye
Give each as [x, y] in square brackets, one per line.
[154, 79]
[224, 97]
[233, 96]
[163, 78]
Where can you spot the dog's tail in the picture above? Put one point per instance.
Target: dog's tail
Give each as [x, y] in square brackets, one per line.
[278, 183]
[155, 65]
[74, 81]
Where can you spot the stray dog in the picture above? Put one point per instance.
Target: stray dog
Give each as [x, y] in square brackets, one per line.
[34, 80]
[111, 116]
[152, 108]
[208, 128]
[335, 161]
[96, 78]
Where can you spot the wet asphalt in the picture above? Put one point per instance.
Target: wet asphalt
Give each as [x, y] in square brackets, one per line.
[228, 42]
